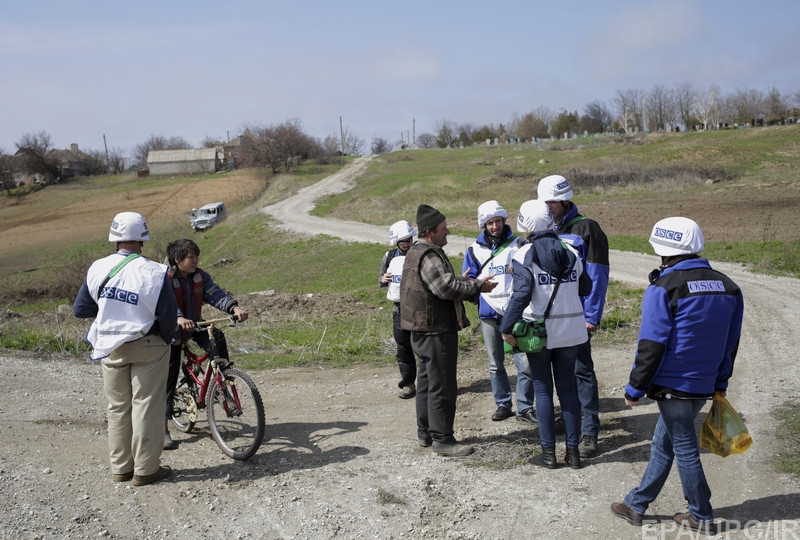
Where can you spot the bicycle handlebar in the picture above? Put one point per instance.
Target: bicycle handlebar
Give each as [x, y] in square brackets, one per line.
[230, 319]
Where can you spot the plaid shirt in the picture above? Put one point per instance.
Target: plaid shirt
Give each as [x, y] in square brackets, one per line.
[438, 274]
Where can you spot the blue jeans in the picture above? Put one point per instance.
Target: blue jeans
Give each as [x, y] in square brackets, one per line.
[558, 364]
[588, 393]
[675, 439]
[501, 388]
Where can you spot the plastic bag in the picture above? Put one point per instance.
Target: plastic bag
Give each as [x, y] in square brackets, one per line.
[723, 431]
[531, 337]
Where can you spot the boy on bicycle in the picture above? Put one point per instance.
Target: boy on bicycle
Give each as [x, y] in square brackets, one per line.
[193, 287]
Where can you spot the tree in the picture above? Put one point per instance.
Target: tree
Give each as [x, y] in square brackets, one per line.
[531, 126]
[596, 117]
[35, 151]
[6, 171]
[484, 132]
[379, 145]
[211, 142]
[775, 106]
[426, 140]
[566, 123]
[465, 134]
[745, 106]
[117, 160]
[685, 96]
[446, 134]
[629, 108]
[278, 147]
[660, 107]
[158, 142]
[706, 107]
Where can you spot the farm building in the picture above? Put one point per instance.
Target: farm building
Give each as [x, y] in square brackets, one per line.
[188, 161]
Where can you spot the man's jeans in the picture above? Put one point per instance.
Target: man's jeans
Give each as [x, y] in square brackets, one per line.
[501, 388]
[675, 439]
[588, 393]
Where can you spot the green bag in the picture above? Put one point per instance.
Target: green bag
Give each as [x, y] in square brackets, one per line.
[531, 337]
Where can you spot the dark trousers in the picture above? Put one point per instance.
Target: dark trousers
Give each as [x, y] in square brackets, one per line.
[201, 338]
[405, 355]
[588, 393]
[436, 384]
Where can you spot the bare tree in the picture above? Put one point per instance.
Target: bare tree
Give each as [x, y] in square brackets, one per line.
[746, 106]
[660, 107]
[277, 147]
[379, 145]
[35, 151]
[685, 96]
[466, 132]
[775, 106]
[211, 142]
[426, 140]
[706, 107]
[117, 160]
[596, 117]
[629, 105]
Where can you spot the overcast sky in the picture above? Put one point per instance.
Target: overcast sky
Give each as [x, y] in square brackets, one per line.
[127, 70]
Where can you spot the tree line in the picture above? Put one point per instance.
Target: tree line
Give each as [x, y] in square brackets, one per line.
[279, 147]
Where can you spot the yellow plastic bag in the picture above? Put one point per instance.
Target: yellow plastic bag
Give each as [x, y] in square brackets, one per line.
[723, 431]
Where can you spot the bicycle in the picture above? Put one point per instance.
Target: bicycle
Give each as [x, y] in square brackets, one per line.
[233, 404]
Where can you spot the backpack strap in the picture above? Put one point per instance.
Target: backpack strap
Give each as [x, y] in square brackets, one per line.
[503, 246]
[116, 270]
[573, 221]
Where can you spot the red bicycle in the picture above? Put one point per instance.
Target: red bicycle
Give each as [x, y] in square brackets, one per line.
[232, 402]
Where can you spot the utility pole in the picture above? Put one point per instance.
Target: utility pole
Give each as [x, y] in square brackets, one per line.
[341, 134]
[106, 145]
[414, 130]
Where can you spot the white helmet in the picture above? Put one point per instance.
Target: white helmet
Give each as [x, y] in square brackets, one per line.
[534, 216]
[554, 188]
[490, 210]
[401, 230]
[677, 236]
[128, 227]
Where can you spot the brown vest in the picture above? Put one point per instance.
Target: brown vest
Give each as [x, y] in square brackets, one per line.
[420, 309]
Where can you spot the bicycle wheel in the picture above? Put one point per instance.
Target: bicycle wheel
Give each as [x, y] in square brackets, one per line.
[184, 407]
[235, 414]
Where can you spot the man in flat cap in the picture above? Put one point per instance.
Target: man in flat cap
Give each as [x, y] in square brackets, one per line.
[431, 300]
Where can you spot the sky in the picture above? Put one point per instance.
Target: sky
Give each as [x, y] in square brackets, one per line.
[82, 70]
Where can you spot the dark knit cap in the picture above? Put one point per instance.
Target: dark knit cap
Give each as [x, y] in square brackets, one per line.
[428, 218]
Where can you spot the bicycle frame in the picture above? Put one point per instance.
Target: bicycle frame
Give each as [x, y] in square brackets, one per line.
[212, 369]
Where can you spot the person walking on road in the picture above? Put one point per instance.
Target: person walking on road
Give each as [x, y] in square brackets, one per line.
[688, 339]
[432, 309]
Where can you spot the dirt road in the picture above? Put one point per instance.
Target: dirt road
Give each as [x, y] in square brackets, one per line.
[340, 458]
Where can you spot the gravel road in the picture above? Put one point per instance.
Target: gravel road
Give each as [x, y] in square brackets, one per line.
[340, 458]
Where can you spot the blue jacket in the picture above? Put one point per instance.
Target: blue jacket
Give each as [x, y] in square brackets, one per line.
[691, 325]
[595, 256]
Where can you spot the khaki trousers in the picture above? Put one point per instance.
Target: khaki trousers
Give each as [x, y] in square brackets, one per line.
[134, 381]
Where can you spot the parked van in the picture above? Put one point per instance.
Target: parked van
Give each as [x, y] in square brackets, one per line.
[207, 215]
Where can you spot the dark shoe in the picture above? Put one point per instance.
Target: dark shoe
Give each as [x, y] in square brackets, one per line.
[502, 413]
[169, 444]
[546, 459]
[162, 472]
[622, 510]
[425, 442]
[527, 416]
[588, 446]
[407, 392]
[124, 477]
[686, 520]
[573, 457]
[452, 449]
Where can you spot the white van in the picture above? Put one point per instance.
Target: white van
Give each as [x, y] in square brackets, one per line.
[207, 215]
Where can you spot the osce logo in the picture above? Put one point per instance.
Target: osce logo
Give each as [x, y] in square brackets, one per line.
[562, 186]
[120, 295]
[677, 236]
[705, 285]
[546, 279]
[396, 278]
[498, 270]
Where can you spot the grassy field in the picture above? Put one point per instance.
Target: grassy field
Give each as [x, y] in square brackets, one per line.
[626, 183]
